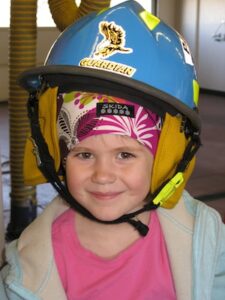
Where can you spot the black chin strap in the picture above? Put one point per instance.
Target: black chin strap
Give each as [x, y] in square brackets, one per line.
[46, 164]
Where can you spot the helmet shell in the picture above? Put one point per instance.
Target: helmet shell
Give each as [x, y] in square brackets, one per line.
[127, 49]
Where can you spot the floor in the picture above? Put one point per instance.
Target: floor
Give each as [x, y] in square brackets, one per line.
[207, 182]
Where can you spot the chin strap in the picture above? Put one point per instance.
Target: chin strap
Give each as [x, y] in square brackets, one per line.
[46, 164]
[139, 226]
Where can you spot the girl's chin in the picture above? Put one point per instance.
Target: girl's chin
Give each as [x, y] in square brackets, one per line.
[107, 218]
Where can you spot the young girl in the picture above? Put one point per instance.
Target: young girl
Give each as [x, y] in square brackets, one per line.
[115, 129]
[108, 171]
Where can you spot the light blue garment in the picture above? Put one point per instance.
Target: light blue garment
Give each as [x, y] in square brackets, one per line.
[208, 259]
[208, 253]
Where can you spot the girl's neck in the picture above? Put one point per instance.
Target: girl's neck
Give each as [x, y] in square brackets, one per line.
[107, 241]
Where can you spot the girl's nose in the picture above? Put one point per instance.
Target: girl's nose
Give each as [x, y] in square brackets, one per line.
[103, 173]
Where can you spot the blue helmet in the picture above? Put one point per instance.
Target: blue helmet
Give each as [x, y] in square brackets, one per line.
[127, 52]
[123, 51]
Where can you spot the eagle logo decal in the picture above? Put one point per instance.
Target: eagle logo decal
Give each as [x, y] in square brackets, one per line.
[113, 42]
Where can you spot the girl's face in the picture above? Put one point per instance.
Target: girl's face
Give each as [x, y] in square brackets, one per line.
[109, 175]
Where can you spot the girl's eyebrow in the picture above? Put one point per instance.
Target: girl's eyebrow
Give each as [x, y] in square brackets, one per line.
[128, 149]
[116, 149]
[81, 148]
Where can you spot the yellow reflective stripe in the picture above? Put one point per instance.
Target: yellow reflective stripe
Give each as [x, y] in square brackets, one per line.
[169, 189]
[150, 20]
[195, 92]
[102, 11]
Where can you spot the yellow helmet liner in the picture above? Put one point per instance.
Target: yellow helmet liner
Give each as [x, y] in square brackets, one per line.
[47, 119]
[170, 150]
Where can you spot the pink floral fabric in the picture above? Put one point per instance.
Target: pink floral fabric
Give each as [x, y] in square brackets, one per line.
[86, 114]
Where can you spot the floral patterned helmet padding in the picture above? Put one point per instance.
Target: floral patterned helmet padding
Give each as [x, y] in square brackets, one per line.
[86, 114]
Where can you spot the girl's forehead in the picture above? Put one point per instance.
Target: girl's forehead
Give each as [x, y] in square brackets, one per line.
[112, 140]
[83, 115]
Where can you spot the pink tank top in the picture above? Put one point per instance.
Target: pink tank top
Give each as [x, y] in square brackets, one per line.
[141, 272]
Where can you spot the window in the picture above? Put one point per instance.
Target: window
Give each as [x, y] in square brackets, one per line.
[44, 18]
[147, 4]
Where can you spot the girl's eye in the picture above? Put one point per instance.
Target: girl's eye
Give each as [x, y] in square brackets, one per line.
[84, 155]
[125, 155]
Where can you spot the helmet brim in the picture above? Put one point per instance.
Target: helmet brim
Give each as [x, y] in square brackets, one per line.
[69, 78]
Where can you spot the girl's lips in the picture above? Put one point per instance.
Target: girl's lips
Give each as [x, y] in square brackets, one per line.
[105, 196]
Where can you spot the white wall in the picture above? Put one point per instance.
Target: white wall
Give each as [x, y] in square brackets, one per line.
[166, 10]
[211, 53]
[199, 21]
[188, 24]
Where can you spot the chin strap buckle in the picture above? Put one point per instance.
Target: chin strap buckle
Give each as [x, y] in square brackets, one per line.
[36, 152]
[169, 189]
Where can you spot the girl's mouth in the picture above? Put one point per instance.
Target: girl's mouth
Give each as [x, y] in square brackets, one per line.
[105, 196]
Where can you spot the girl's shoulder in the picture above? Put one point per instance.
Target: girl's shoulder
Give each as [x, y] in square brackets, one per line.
[200, 209]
